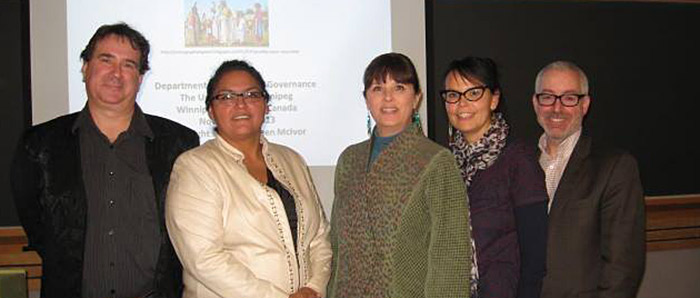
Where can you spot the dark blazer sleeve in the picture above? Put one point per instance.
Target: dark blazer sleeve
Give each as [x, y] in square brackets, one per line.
[622, 227]
[529, 194]
[172, 285]
[26, 182]
[532, 237]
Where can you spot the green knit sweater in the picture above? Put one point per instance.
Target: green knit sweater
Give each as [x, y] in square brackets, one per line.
[400, 228]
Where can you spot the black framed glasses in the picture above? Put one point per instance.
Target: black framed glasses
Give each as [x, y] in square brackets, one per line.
[248, 97]
[471, 94]
[567, 100]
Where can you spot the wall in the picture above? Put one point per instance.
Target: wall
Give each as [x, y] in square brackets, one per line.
[672, 273]
[14, 92]
[641, 60]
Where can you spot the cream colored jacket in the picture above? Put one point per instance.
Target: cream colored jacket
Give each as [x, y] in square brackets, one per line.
[231, 232]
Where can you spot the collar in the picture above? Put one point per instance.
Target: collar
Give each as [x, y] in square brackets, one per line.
[139, 124]
[410, 130]
[234, 152]
[565, 148]
[383, 141]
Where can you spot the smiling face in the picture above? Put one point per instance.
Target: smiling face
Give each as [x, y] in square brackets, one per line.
[391, 104]
[558, 121]
[471, 118]
[111, 75]
[238, 120]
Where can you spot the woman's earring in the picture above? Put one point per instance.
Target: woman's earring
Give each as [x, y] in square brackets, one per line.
[369, 124]
[416, 118]
[450, 131]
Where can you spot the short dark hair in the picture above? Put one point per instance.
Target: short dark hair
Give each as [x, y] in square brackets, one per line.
[230, 66]
[478, 69]
[138, 42]
[394, 65]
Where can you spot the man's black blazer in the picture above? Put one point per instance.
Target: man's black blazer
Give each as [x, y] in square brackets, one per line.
[47, 185]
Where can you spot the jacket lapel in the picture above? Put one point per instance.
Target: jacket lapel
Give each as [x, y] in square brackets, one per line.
[158, 168]
[573, 174]
[68, 177]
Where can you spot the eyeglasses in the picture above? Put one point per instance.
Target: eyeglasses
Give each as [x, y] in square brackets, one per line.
[248, 97]
[471, 94]
[567, 100]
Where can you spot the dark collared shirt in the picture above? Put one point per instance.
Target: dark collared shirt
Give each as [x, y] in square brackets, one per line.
[122, 236]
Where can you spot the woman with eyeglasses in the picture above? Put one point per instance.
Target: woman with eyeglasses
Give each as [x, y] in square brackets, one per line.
[505, 184]
[242, 213]
[400, 218]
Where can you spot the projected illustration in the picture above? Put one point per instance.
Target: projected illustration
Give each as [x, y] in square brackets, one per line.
[226, 23]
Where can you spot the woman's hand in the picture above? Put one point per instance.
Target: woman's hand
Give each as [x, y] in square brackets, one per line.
[305, 292]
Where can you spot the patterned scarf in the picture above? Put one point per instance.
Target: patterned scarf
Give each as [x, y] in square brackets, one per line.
[475, 157]
[482, 154]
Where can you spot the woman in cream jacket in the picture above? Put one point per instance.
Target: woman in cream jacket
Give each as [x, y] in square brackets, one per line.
[243, 213]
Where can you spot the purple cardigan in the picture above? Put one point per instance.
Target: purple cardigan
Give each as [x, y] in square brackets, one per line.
[508, 205]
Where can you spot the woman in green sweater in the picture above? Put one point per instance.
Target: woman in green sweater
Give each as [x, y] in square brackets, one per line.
[400, 222]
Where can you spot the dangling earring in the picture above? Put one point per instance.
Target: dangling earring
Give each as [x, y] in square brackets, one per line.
[450, 131]
[369, 124]
[416, 120]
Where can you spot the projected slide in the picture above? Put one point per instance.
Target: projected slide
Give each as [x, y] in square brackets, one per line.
[311, 53]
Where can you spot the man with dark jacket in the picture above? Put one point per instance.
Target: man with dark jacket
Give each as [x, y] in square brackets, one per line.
[90, 186]
[596, 243]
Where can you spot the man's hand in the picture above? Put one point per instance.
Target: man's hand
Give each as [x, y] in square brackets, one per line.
[305, 292]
